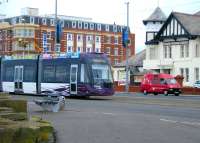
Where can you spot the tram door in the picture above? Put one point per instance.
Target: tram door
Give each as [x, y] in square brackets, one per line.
[18, 79]
[73, 79]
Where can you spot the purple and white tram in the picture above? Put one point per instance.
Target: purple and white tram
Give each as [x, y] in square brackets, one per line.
[86, 74]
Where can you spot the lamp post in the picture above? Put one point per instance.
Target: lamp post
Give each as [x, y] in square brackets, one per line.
[127, 67]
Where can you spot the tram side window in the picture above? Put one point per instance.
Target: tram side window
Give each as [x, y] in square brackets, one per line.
[8, 74]
[84, 75]
[61, 74]
[29, 74]
[49, 73]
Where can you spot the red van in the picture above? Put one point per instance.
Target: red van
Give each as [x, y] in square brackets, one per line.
[160, 83]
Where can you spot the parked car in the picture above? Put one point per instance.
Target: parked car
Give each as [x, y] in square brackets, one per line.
[160, 83]
[197, 84]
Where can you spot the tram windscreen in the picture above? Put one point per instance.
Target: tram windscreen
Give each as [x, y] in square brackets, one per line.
[101, 73]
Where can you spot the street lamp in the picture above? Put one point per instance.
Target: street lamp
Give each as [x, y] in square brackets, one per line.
[127, 67]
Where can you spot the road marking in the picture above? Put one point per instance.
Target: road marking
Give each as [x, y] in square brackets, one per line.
[105, 113]
[181, 122]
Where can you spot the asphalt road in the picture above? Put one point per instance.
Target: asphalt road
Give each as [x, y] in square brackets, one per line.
[126, 119]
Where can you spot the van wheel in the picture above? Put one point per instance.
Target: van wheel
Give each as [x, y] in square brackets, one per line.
[145, 92]
[165, 93]
[176, 94]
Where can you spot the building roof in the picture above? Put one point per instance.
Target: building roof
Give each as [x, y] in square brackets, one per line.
[157, 16]
[190, 22]
[197, 13]
[135, 61]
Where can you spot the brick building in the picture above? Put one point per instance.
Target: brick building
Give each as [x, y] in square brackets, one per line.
[29, 35]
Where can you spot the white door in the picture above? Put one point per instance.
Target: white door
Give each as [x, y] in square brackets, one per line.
[73, 79]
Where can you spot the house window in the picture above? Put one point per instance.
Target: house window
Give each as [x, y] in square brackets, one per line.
[89, 38]
[115, 61]
[48, 35]
[114, 28]
[184, 51]
[32, 20]
[185, 73]
[97, 39]
[44, 21]
[107, 50]
[69, 37]
[187, 50]
[107, 28]
[182, 72]
[99, 27]
[108, 39]
[79, 49]
[152, 52]
[116, 39]
[91, 26]
[80, 25]
[116, 51]
[85, 25]
[69, 49]
[196, 73]
[197, 51]
[52, 22]
[97, 50]
[88, 49]
[167, 52]
[79, 37]
[57, 48]
[62, 23]
[73, 24]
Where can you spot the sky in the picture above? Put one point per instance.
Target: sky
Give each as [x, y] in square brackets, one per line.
[105, 11]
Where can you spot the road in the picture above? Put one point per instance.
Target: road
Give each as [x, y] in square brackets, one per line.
[126, 119]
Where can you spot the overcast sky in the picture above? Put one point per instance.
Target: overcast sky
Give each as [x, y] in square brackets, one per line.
[105, 11]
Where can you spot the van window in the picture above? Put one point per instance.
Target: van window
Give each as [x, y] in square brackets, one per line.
[162, 81]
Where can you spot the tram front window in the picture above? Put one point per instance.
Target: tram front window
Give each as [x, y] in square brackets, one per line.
[101, 74]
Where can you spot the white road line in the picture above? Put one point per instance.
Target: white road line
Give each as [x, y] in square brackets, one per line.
[166, 120]
[183, 122]
[105, 113]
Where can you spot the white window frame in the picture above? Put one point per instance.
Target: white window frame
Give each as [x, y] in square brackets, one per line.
[197, 51]
[91, 26]
[73, 24]
[69, 37]
[52, 22]
[85, 25]
[97, 50]
[62, 23]
[107, 27]
[88, 49]
[116, 40]
[81, 49]
[81, 37]
[44, 21]
[116, 51]
[97, 39]
[80, 24]
[114, 28]
[98, 27]
[69, 49]
[32, 20]
[196, 73]
[107, 50]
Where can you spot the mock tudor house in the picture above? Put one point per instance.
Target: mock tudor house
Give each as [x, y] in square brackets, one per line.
[175, 47]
